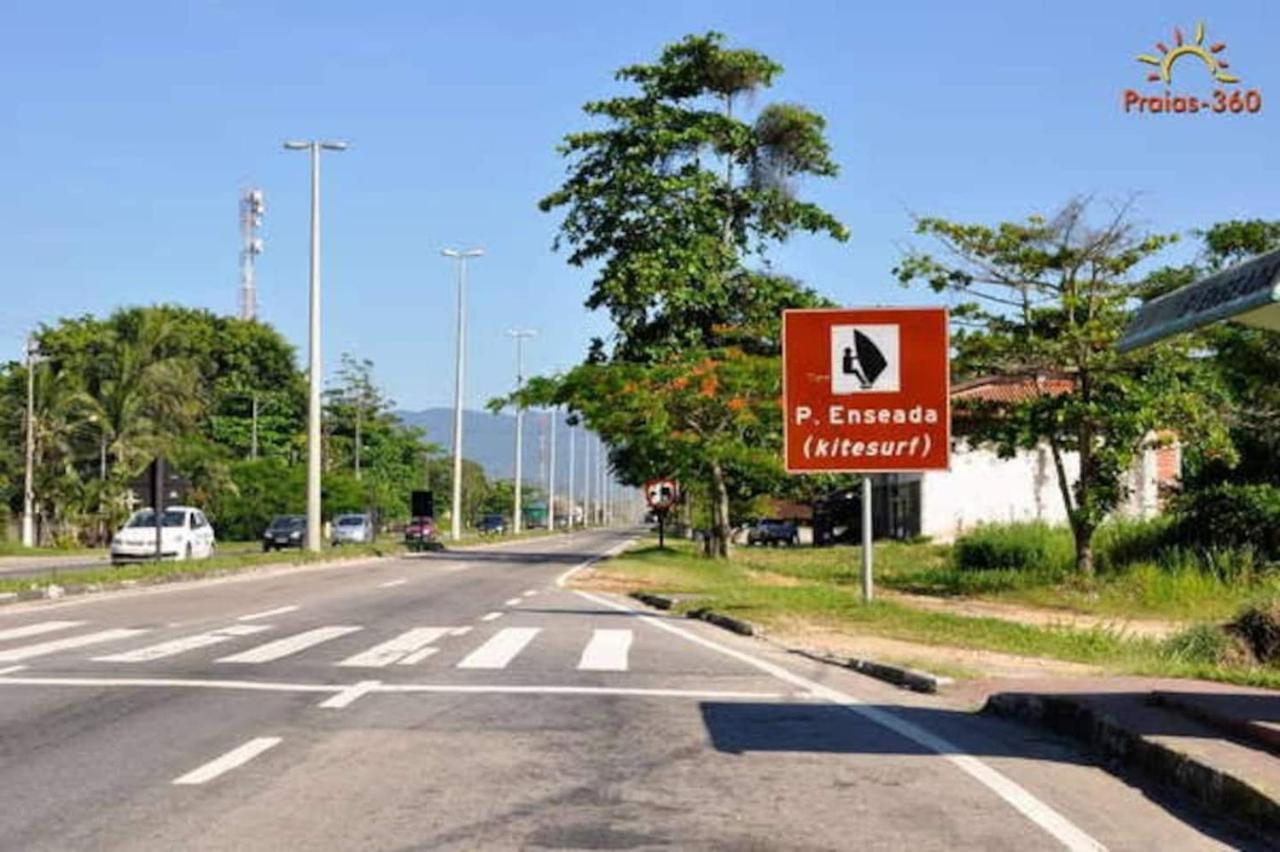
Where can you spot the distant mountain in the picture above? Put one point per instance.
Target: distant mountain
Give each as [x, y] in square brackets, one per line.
[490, 440]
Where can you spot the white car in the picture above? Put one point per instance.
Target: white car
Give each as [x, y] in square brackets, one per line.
[186, 534]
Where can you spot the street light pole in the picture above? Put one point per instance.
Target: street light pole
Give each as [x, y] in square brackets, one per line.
[315, 369]
[29, 486]
[455, 516]
[568, 525]
[519, 335]
[551, 474]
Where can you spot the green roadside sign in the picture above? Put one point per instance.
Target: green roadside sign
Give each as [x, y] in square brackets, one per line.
[1247, 293]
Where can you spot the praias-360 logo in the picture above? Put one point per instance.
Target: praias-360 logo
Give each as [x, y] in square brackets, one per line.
[1209, 56]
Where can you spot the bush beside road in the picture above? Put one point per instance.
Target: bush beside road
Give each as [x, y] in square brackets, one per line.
[816, 592]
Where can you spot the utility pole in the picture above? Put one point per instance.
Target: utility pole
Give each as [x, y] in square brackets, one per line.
[569, 517]
[455, 516]
[253, 433]
[586, 477]
[551, 473]
[519, 335]
[316, 368]
[29, 481]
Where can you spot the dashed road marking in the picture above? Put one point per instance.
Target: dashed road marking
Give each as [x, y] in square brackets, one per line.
[461, 631]
[491, 616]
[350, 694]
[185, 643]
[500, 649]
[281, 610]
[289, 645]
[607, 651]
[238, 756]
[395, 650]
[26, 652]
[513, 602]
[36, 629]
[391, 584]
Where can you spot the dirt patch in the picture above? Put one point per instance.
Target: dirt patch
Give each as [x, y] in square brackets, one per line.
[592, 580]
[769, 578]
[1037, 616]
[795, 633]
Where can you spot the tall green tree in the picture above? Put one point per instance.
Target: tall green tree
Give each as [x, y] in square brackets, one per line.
[1247, 359]
[1049, 298]
[674, 199]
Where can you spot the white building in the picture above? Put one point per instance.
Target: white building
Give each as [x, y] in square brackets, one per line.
[981, 487]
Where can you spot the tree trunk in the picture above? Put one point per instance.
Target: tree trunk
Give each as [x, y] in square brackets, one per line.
[719, 540]
[1083, 533]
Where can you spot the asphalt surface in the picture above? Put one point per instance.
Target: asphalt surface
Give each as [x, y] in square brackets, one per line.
[466, 700]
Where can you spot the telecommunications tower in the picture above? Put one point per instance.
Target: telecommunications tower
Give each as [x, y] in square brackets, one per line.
[252, 206]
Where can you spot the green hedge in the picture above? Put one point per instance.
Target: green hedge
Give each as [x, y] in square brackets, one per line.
[1033, 546]
[1230, 516]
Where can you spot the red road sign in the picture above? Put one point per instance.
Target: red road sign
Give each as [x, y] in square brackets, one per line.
[866, 390]
[661, 493]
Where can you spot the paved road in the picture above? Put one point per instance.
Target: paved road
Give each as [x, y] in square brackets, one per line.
[467, 701]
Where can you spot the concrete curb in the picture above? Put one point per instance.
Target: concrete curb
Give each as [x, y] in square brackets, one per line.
[1257, 734]
[913, 679]
[1218, 790]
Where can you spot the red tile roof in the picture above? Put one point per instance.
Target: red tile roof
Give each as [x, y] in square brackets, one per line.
[1010, 388]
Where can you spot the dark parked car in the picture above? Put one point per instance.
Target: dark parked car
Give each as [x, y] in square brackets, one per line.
[492, 525]
[774, 531]
[284, 531]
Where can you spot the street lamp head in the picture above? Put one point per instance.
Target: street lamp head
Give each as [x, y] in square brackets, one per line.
[335, 145]
[295, 145]
[522, 332]
[475, 252]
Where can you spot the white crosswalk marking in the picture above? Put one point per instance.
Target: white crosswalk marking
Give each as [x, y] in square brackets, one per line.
[501, 648]
[236, 757]
[398, 649]
[26, 652]
[607, 651]
[36, 629]
[289, 645]
[185, 643]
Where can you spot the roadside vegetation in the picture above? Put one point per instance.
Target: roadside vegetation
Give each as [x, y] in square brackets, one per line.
[1227, 624]
[243, 556]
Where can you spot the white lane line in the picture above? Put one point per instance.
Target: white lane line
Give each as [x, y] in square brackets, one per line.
[26, 652]
[394, 650]
[528, 593]
[397, 688]
[36, 629]
[12, 669]
[238, 756]
[418, 656]
[607, 651]
[461, 631]
[491, 616]
[512, 602]
[289, 645]
[501, 648]
[391, 584]
[1038, 812]
[350, 694]
[185, 643]
[267, 613]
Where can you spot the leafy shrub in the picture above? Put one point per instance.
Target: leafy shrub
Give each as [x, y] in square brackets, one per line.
[1259, 626]
[1203, 643]
[1230, 516]
[1121, 542]
[1033, 546]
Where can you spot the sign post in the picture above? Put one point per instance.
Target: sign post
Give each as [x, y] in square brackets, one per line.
[866, 390]
[661, 495]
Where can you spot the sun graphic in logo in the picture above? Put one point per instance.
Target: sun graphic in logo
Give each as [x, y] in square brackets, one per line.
[1208, 55]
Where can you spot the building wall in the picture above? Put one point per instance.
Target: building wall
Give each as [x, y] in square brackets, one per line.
[982, 488]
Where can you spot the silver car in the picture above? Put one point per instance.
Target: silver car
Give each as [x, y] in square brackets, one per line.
[352, 529]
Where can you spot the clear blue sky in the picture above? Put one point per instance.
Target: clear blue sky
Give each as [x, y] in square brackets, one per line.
[129, 129]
